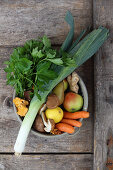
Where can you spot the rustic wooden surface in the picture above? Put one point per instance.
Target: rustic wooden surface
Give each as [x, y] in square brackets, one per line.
[23, 20]
[103, 15]
[44, 162]
[20, 21]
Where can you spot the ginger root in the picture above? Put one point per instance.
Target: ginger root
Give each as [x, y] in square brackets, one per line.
[21, 106]
[73, 80]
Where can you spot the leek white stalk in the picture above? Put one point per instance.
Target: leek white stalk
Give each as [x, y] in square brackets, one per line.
[34, 107]
[81, 53]
[27, 124]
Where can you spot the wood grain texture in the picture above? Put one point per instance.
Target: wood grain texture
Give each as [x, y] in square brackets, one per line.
[23, 20]
[46, 162]
[9, 126]
[103, 15]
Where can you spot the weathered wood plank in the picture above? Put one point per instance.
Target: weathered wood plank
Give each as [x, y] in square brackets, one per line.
[9, 126]
[23, 20]
[46, 162]
[103, 15]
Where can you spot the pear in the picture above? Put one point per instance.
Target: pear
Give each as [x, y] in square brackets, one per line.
[65, 84]
[59, 91]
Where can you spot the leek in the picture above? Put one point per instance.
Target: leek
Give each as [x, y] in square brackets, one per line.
[80, 52]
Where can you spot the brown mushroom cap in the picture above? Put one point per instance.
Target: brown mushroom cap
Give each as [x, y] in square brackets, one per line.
[52, 101]
[38, 124]
[27, 95]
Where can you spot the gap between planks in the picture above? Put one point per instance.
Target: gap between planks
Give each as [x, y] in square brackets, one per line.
[49, 153]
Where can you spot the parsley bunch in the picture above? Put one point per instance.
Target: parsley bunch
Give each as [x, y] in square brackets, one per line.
[30, 66]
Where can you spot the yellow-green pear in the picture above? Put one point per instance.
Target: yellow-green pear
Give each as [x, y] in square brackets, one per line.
[59, 91]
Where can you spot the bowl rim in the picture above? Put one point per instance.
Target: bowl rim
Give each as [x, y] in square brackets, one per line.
[85, 107]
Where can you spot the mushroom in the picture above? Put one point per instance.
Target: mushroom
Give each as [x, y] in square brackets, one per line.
[22, 110]
[38, 124]
[21, 106]
[43, 108]
[52, 101]
[27, 95]
[73, 80]
[49, 124]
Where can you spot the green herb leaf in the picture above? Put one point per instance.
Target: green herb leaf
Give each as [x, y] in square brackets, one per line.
[49, 55]
[49, 74]
[41, 66]
[57, 61]
[35, 53]
[8, 69]
[15, 56]
[23, 64]
[40, 54]
[46, 42]
[70, 62]
[12, 81]
[20, 88]
[6, 62]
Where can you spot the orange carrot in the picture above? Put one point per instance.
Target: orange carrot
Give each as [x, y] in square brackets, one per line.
[65, 127]
[76, 115]
[72, 122]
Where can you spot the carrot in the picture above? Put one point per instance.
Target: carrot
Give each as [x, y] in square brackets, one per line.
[65, 127]
[72, 122]
[76, 115]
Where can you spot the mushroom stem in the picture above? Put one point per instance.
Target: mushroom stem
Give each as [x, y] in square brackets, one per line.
[47, 124]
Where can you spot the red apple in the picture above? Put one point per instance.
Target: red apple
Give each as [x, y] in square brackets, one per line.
[72, 102]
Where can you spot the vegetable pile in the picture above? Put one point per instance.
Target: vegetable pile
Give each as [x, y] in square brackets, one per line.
[58, 114]
[37, 68]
